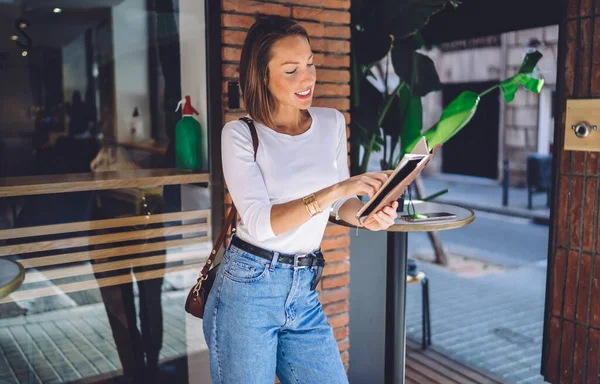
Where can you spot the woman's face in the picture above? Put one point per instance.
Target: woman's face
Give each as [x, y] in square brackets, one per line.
[292, 74]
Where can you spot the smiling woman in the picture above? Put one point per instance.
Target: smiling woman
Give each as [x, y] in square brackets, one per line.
[263, 303]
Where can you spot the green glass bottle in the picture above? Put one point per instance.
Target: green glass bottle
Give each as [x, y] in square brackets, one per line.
[189, 139]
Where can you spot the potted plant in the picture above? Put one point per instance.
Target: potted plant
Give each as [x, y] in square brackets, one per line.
[388, 116]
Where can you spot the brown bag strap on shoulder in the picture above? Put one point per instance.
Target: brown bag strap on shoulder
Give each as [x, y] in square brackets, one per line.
[230, 220]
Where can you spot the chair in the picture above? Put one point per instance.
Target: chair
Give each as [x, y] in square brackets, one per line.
[421, 277]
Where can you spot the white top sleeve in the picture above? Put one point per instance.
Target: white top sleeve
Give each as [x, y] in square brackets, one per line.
[342, 160]
[244, 180]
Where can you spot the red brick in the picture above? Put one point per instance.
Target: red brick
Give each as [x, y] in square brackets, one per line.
[345, 357]
[237, 21]
[338, 31]
[333, 256]
[585, 8]
[336, 308]
[336, 230]
[570, 286]
[330, 46]
[341, 104]
[348, 121]
[584, 53]
[589, 209]
[333, 4]
[578, 161]
[230, 70]
[563, 211]
[336, 281]
[553, 355]
[592, 369]
[319, 59]
[583, 299]
[233, 37]
[567, 352]
[313, 29]
[559, 281]
[319, 14]
[336, 268]
[343, 345]
[332, 90]
[592, 163]
[252, 7]
[575, 210]
[231, 54]
[595, 91]
[570, 58]
[341, 333]
[336, 61]
[339, 320]
[331, 296]
[579, 355]
[572, 9]
[333, 76]
[335, 243]
[595, 315]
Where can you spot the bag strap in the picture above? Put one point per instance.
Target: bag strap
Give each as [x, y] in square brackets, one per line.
[230, 220]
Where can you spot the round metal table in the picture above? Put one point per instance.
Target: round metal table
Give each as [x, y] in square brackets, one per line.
[12, 275]
[397, 252]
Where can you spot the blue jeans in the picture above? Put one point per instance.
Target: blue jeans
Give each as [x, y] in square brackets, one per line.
[262, 319]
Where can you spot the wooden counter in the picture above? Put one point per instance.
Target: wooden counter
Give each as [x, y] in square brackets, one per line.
[140, 178]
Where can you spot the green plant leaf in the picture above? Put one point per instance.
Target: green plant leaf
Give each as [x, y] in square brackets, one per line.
[454, 117]
[408, 63]
[530, 83]
[509, 88]
[530, 61]
[413, 123]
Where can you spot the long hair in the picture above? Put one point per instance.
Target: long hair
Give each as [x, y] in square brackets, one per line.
[254, 63]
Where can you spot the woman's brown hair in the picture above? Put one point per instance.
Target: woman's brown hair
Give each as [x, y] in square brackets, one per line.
[254, 63]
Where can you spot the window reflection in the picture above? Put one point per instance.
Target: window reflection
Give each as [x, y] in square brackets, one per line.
[96, 69]
[92, 86]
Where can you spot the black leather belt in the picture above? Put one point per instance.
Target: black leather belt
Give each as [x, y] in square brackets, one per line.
[308, 260]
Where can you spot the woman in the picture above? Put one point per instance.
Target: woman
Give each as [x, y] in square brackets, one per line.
[263, 316]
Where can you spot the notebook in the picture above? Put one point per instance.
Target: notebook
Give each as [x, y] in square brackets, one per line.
[407, 170]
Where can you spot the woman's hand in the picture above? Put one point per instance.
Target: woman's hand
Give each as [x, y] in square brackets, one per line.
[383, 219]
[364, 184]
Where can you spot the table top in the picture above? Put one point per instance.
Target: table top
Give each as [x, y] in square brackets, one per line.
[463, 218]
[11, 276]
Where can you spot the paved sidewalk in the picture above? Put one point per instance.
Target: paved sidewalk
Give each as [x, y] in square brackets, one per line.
[493, 322]
[486, 195]
[74, 344]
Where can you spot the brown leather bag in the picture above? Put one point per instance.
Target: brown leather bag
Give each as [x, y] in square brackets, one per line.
[197, 296]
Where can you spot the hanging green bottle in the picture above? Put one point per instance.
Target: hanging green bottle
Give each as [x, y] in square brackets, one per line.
[189, 139]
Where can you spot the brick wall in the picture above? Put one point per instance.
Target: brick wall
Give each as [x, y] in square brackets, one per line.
[327, 22]
[571, 350]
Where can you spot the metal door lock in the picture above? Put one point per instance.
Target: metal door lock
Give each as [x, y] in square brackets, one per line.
[583, 129]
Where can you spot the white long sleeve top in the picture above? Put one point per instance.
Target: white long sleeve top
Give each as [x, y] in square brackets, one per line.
[286, 168]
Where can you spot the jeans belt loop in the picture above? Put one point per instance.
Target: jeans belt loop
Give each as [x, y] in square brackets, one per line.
[274, 261]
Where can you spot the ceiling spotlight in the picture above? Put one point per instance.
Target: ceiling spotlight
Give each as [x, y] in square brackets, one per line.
[14, 37]
[24, 53]
[57, 10]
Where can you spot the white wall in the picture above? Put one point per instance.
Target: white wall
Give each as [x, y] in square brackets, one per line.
[130, 44]
[192, 40]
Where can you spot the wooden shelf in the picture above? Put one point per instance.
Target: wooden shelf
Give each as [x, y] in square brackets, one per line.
[140, 178]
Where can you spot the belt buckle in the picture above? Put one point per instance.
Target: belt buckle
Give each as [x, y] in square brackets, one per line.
[297, 258]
